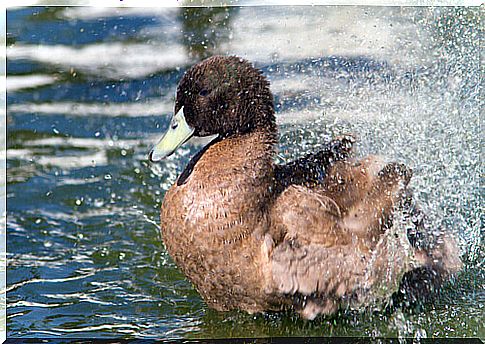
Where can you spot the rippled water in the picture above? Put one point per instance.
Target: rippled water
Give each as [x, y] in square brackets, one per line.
[89, 90]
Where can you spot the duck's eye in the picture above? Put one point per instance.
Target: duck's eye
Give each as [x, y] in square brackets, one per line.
[203, 92]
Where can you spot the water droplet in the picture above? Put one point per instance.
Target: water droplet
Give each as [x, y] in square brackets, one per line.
[98, 203]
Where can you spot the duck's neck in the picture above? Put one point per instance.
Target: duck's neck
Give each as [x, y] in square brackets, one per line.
[258, 143]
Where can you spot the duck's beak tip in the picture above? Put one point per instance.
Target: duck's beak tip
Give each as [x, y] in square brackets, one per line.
[154, 157]
[150, 156]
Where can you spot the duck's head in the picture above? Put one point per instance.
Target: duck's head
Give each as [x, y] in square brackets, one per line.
[222, 95]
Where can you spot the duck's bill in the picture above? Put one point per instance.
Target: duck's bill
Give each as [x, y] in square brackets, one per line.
[177, 134]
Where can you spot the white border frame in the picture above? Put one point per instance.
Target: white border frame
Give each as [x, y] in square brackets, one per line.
[137, 3]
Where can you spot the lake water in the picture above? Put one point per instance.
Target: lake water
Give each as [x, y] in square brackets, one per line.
[90, 89]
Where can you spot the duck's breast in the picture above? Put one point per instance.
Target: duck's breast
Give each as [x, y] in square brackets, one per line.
[211, 223]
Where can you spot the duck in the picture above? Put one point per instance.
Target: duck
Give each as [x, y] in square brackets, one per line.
[318, 234]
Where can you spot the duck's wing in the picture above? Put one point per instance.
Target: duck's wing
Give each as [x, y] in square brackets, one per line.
[311, 256]
[337, 244]
[311, 169]
[321, 252]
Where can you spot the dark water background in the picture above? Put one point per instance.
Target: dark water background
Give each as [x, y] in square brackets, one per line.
[89, 90]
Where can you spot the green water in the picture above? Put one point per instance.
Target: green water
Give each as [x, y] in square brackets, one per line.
[90, 90]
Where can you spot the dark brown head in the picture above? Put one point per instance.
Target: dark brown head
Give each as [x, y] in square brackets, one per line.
[223, 95]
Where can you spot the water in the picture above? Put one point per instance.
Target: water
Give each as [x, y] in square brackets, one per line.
[90, 90]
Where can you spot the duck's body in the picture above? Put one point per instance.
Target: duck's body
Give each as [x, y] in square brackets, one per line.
[315, 234]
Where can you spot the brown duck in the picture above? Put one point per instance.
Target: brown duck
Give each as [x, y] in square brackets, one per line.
[318, 234]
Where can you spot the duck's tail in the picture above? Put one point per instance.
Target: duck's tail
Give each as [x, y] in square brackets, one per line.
[437, 252]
